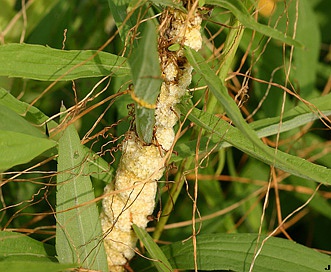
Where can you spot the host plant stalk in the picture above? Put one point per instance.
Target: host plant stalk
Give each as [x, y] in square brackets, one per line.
[132, 197]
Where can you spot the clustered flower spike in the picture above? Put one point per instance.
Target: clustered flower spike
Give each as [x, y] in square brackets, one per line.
[141, 166]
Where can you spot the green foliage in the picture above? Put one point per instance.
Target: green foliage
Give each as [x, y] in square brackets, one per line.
[234, 252]
[241, 13]
[53, 167]
[19, 252]
[44, 63]
[78, 230]
[161, 263]
[20, 142]
[226, 252]
[292, 164]
[146, 77]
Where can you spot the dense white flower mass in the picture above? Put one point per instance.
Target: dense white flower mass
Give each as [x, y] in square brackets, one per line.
[132, 199]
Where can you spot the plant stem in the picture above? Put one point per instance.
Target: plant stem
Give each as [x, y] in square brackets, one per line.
[173, 196]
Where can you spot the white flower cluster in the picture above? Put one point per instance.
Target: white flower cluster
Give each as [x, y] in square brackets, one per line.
[132, 199]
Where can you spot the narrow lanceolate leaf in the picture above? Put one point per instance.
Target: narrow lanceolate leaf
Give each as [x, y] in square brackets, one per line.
[160, 261]
[78, 229]
[48, 64]
[234, 252]
[223, 132]
[240, 11]
[146, 76]
[294, 118]
[216, 86]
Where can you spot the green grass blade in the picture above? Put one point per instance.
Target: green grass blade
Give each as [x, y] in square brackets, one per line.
[162, 264]
[235, 252]
[223, 131]
[78, 231]
[48, 64]
[146, 76]
[240, 11]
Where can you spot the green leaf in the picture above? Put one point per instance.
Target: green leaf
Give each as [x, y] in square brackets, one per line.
[166, 3]
[240, 11]
[295, 117]
[31, 114]
[218, 89]
[97, 166]
[146, 76]
[20, 141]
[16, 244]
[222, 131]
[26, 265]
[11, 121]
[235, 252]
[125, 18]
[170, 3]
[160, 261]
[19, 252]
[78, 230]
[18, 148]
[174, 47]
[44, 63]
[307, 32]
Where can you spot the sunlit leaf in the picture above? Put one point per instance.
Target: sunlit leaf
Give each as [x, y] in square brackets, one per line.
[44, 63]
